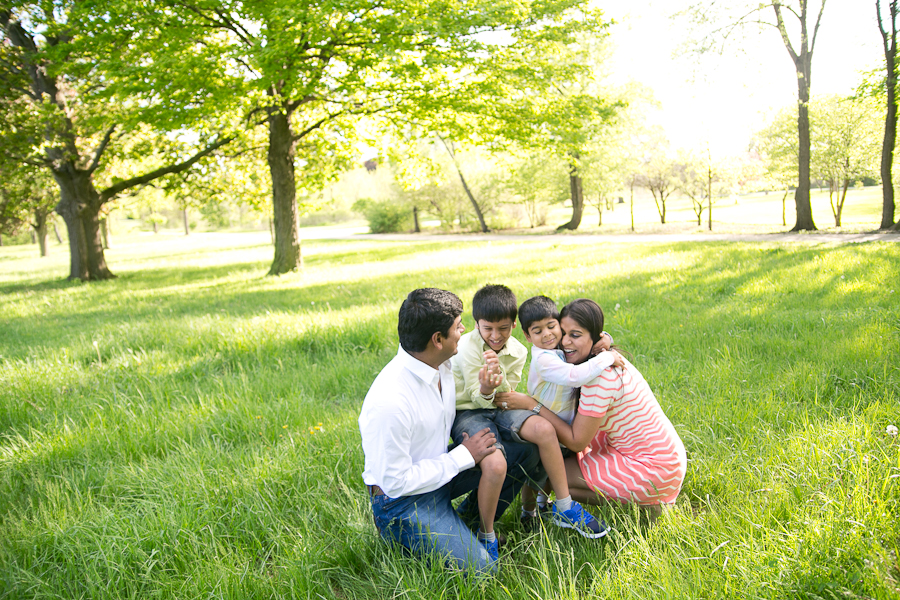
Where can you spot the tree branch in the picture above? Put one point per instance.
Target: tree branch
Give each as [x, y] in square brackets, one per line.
[116, 189]
[101, 148]
[784, 35]
[812, 44]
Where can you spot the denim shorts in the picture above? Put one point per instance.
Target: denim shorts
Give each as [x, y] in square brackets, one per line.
[504, 424]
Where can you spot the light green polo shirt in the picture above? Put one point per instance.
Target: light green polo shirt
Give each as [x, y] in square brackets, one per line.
[470, 358]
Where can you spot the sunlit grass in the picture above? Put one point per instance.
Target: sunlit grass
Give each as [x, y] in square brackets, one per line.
[189, 429]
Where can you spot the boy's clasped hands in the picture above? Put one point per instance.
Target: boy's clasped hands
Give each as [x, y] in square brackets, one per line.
[490, 376]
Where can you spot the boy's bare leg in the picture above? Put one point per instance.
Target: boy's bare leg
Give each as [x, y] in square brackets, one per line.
[540, 432]
[493, 473]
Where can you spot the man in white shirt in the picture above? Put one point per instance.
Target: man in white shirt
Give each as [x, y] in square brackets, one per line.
[405, 425]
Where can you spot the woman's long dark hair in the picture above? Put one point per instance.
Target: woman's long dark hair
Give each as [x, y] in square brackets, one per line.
[589, 315]
[586, 313]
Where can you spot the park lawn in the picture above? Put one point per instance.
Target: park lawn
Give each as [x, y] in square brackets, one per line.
[189, 429]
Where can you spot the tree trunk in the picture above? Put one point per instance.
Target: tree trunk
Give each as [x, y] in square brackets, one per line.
[40, 230]
[709, 193]
[184, 216]
[801, 195]
[33, 236]
[1, 240]
[576, 190]
[802, 63]
[632, 203]
[56, 233]
[284, 195]
[660, 205]
[79, 206]
[888, 205]
[887, 160]
[478, 213]
[784, 207]
[841, 200]
[104, 232]
[416, 219]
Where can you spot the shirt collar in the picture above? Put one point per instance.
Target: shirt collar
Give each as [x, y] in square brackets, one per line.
[424, 372]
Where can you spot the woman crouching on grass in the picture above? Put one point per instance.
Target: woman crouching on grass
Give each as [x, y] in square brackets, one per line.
[627, 448]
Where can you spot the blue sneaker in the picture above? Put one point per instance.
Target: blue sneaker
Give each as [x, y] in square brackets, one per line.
[493, 549]
[581, 521]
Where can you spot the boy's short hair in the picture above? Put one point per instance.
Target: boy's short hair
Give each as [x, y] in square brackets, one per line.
[494, 303]
[536, 309]
[424, 312]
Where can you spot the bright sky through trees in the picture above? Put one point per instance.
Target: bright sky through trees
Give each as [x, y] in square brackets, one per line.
[725, 100]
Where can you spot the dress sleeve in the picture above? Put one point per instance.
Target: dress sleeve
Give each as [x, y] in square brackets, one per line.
[555, 370]
[597, 395]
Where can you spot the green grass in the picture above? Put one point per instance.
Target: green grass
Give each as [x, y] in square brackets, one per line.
[160, 437]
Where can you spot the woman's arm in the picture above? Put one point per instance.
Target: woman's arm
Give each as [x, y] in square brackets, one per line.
[575, 437]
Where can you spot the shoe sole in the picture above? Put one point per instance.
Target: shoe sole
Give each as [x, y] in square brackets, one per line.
[581, 532]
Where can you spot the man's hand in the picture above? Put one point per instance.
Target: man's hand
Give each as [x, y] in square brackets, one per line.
[602, 345]
[479, 445]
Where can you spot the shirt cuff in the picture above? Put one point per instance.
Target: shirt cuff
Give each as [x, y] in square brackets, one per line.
[462, 457]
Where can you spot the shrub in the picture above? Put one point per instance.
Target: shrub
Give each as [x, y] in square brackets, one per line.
[383, 216]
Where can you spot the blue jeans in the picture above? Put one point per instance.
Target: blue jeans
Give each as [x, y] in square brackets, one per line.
[426, 523]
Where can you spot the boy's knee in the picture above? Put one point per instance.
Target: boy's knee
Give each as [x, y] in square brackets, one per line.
[494, 464]
[541, 429]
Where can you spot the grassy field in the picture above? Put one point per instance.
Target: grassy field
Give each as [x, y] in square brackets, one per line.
[188, 430]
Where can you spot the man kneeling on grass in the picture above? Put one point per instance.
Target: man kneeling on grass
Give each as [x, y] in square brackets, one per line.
[410, 473]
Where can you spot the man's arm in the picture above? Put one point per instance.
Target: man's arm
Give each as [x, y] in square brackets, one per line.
[389, 437]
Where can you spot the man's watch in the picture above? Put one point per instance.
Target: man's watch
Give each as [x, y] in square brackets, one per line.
[537, 409]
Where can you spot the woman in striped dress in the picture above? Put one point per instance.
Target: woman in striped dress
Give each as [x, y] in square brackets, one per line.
[627, 448]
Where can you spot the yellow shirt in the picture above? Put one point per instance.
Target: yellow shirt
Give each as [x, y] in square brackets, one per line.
[470, 358]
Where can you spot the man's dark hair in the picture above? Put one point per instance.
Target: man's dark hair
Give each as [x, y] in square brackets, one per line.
[537, 309]
[425, 312]
[494, 303]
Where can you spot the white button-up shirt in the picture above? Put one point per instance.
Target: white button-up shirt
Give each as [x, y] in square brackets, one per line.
[405, 425]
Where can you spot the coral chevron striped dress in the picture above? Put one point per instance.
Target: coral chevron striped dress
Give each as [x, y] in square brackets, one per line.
[636, 455]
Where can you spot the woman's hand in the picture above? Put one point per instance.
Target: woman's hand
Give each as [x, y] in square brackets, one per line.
[514, 400]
